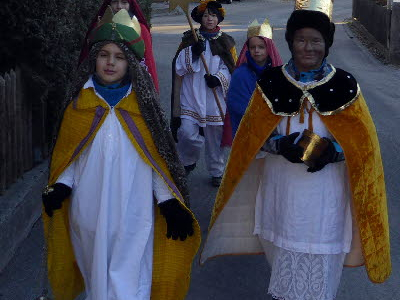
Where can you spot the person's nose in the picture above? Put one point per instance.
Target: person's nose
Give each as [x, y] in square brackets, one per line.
[308, 46]
[111, 60]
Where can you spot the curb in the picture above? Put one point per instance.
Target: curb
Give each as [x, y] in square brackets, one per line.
[20, 208]
[369, 41]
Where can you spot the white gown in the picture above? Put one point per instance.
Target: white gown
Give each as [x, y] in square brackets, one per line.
[197, 99]
[111, 215]
[304, 222]
[199, 108]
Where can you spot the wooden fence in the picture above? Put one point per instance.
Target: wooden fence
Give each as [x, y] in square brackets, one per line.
[22, 130]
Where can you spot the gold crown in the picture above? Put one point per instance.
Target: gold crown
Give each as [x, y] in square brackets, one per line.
[122, 17]
[325, 6]
[256, 29]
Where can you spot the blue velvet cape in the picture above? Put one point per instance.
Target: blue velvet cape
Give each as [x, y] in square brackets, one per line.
[241, 87]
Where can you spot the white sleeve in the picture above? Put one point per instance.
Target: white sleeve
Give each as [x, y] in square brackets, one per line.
[224, 77]
[67, 177]
[161, 191]
[185, 64]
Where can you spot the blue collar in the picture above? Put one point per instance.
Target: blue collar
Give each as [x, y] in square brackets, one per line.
[255, 67]
[112, 93]
[312, 75]
[208, 35]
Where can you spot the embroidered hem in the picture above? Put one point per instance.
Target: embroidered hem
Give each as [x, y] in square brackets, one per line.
[201, 120]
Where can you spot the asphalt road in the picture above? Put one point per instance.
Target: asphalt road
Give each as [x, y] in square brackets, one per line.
[246, 277]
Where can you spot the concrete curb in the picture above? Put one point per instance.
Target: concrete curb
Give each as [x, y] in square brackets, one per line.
[20, 208]
[368, 41]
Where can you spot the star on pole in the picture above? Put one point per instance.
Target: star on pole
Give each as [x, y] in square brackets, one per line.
[184, 4]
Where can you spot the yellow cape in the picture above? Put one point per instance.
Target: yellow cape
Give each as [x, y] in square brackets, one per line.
[354, 130]
[171, 259]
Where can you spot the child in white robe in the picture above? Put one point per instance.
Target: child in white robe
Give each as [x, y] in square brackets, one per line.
[200, 120]
[109, 169]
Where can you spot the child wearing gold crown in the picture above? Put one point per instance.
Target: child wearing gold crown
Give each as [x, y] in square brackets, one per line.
[115, 211]
[134, 9]
[258, 54]
[194, 106]
[313, 198]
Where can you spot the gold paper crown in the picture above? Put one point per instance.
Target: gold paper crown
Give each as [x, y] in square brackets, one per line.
[122, 17]
[325, 6]
[256, 29]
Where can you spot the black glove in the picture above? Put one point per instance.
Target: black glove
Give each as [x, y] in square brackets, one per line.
[212, 81]
[198, 48]
[328, 156]
[53, 196]
[174, 125]
[179, 221]
[286, 147]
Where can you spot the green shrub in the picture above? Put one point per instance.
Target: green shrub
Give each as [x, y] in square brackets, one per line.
[145, 5]
[44, 38]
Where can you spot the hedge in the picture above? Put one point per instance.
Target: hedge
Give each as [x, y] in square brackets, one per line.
[44, 37]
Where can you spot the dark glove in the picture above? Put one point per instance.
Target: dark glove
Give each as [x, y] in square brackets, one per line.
[198, 48]
[286, 147]
[53, 196]
[328, 156]
[179, 221]
[212, 81]
[174, 125]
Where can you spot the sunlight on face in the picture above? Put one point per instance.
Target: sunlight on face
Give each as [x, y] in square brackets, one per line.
[308, 49]
[209, 20]
[258, 50]
[111, 64]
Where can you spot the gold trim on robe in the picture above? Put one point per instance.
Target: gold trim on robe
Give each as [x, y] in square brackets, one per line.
[232, 221]
[172, 260]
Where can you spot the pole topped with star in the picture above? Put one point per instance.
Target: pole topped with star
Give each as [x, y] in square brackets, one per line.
[184, 4]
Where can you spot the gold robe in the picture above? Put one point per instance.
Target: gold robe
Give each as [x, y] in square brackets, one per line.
[171, 259]
[232, 222]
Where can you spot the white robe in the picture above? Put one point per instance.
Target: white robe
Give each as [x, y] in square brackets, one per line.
[112, 214]
[197, 99]
[304, 222]
[302, 211]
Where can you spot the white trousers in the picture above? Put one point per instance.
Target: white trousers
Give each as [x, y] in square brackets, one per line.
[302, 276]
[190, 143]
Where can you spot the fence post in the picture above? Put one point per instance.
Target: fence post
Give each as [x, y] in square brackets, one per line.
[19, 121]
[3, 172]
[14, 126]
[28, 153]
[9, 176]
